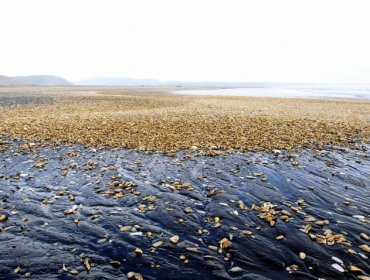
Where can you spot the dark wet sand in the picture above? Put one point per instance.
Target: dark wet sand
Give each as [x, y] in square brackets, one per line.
[36, 186]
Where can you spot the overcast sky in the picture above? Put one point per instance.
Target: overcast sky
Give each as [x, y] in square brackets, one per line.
[189, 40]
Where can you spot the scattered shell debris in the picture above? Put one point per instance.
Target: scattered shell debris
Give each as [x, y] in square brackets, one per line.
[211, 188]
[151, 119]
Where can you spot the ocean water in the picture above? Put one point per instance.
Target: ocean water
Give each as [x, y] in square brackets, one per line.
[289, 91]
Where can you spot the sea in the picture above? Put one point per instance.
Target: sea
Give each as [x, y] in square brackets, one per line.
[306, 91]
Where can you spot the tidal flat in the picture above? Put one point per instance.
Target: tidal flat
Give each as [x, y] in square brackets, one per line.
[136, 183]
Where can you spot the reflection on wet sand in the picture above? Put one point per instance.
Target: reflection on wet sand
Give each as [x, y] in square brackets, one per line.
[98, 213]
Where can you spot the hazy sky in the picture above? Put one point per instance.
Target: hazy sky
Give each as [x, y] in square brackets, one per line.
[189, 40]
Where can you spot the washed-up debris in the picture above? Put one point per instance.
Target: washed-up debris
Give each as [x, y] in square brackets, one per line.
[64, 268]
[267, 212]
[181, 185]
[71, 211]
[365, 236]
[365, 248]
[174, 239]
[247, 232]
[184, 259]
[337, 260]
[157, 244]
[138, 252]
[354, 268]
[73, 272]
[338, 267]
[242, 205]
[125, 228]
[327, 237]
[134, 276]
[3, 218]
[225, 243]
[214, 192]
[40, 163]
[86, 264]
[17, 269]
[236, 269]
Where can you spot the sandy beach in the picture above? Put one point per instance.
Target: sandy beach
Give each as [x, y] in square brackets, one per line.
[136, 183]
[152, 119]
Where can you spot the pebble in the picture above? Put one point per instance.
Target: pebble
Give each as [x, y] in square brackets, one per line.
[302, 255]
[365, 236]
[174, 239]
[337, 260]
[236, 269]
[338, 267]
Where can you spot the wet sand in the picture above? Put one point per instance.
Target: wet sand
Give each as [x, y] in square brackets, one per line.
[65, 205]
[69, 211]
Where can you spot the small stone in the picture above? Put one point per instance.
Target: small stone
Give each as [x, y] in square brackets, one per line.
[365, 236]
[192, 249]
[3, 218]
[247, 232]
[64, 268]
[236, 269]
[241, 205]
[338, 267]
[365, 248]
[322, 223]
[354, 268]
[225, 243]
[134, 276]
[74, 272]
[175, 239]
[351, 251]
[17, 269]
[119, 195]
[360, 217]
[138, 252]
[337, 260]
[87, 264]
[157, 244]
[125, 228]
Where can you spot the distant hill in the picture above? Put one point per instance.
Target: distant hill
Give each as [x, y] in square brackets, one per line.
[39, 80]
